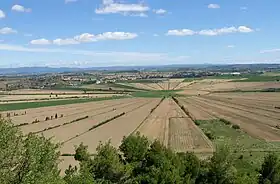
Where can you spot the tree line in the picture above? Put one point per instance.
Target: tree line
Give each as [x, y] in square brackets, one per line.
[34, 160]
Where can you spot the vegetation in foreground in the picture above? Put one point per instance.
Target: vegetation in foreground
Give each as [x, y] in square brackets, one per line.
[34, 159]
[248, 151]
[30, 105]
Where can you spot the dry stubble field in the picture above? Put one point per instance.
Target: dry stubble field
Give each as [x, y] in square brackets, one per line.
[256, 114]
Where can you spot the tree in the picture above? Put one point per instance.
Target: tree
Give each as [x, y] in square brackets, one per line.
[220, 168]
[106, 165]
[270, 170]
[134, 147]
[160, 165]
[26, 160]
[81, 153]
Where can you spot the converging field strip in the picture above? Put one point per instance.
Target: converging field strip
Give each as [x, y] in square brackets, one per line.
[91, 114]
[96, 125]
[114, 130]
[66, 111]
[255, 110]
[252, 127]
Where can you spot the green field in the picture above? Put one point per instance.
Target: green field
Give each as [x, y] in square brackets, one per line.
[156, 94]
[259, 78]
[29, 105]
[248, 151]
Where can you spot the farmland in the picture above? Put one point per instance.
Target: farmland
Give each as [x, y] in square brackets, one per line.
[185, 116]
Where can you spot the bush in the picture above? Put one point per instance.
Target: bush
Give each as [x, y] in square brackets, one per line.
[226, 122]
[210, 135]
[235, 127]
[67, 155]
[196, 122]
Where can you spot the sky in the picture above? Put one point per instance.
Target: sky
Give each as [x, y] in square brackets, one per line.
[89, 33]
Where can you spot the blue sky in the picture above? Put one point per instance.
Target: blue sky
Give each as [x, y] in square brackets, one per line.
[85, 33]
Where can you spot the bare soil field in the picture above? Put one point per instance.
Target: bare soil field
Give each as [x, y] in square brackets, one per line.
[229, 86]
[183, 85]
[42, 91]
[195, 111]
[9, 98]
[174, 83]
[114, 130]
[185, 136]
[64, 133]
[170, 125]
[67, 110]
[256, 122]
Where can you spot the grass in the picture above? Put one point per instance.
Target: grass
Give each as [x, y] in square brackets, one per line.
[30, 105]
[259, 78]
[191, 79]
[248, 151]
[123, 86]
[156, 94]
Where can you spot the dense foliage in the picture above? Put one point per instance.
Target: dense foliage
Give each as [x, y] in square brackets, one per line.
[34, 159]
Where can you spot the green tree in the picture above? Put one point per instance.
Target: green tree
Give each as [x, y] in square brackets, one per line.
[270, 170]
[160, 165]
[134, 147]
[221, 169]
[81, 153]
[27, 160]
[106, 165]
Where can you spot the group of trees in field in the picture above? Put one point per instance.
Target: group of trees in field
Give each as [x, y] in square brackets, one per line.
[34, 160]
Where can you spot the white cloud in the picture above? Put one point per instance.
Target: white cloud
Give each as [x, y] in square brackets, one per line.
[243, 8]
[19, 8]
[160, 11]
[67, 41]
[41, 41]
[70, 1]
[7, 30]
[85, 37]
[211, 32]
[269, 51]
[115, 58]
[244, 29]
[110, 6]
[2, 14]
[214, 6]
[182, 32]
[116, 36]
[231, 46]
[155, 35]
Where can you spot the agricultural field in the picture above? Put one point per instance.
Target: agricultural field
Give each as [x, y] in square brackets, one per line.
[172, 127]
[256, 113]
[41, 97]
[185, 116]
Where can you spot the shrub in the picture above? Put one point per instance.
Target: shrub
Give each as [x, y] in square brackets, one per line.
[67, 155]
[226, 122]
[235, 127]
[196, 122]
[210, 135]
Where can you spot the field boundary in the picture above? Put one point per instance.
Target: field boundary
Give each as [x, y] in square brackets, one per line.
[105, 122]
[33, 105]
[152, 110]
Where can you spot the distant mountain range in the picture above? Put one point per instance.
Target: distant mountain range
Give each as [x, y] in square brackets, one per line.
[43, 70]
